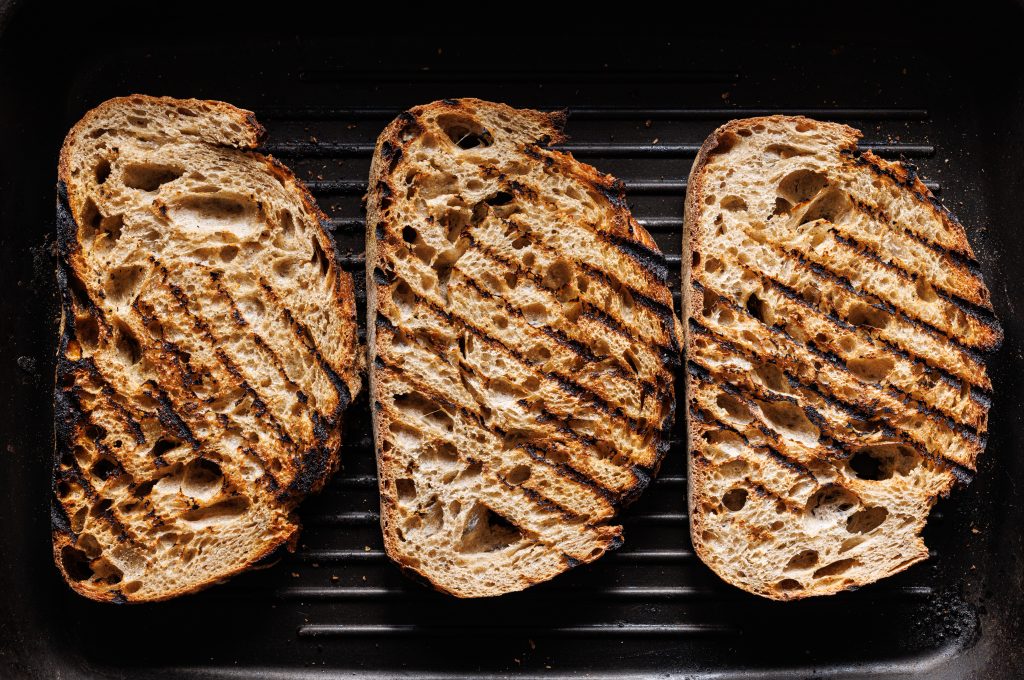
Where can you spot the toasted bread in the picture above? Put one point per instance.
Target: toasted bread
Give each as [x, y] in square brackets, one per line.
[207, 350]
[835, 387]
[521, 339]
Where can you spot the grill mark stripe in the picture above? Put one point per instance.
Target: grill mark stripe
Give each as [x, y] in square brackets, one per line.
[577, 348]
[220, 418]
[822, 269]
[216, 344]
[403, 377]
[662, 310]
[981, 314]
[854, 410]
[264, 346]
[826, 274]
[73, 470]
[860, 159]
[88, 365]
[71, 464]
[969, 356]
[769, 450]
[945, 254]
[667, 356]
[837, 361]
[340, 386]
[574, 346]
[547, 416]
[651, 262]
[659, 309]
[568, 385]
[977, 392]
[963, 431]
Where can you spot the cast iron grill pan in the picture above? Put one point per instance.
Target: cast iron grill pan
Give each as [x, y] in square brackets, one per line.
[338, 605]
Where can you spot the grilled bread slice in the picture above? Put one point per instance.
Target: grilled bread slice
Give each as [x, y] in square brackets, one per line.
[834, 384]
[207, 349]
[521, 337]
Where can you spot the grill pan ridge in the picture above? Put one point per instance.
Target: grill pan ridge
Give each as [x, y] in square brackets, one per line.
[639, 107]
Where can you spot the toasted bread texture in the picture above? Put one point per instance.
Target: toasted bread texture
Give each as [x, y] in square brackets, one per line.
[521, 339]
[835, 388]
[207, 350]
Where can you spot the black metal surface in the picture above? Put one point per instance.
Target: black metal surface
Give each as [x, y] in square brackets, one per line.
[936, 90]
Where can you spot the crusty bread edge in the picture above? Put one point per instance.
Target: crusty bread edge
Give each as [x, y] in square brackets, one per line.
[68, 256]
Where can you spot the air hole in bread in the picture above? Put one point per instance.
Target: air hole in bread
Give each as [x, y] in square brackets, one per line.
[102, 171]
[228, 253]
[863, 314]
[202, 480]
[829, 205]
[465, 132]
[486, 531]
[831, 501]
[735, 499]
[538, 354]
[499, 199]
[123, 284]
[518, 475]
[791, 421]
[421, 409]
[406, 489]
[90, 546]
[878, 462]
[162, 446]
[733, 203]
[760, 309]
[788, 585]
[87, 332]
[724, 144]
[89, 222]
[149, 176]
[443, 455]
[835, 568]
[801, 185]
[735, 409]
[219, 513]
[805, 559]
[128, 346]
[871, 369]
[76, 564]
[404, 299]
[104, 468]
[409, 235]
[786, 151]
[868, 519]
[773, 378]
[557, 275]
[319, 258]
[925, 291]
[536, 313]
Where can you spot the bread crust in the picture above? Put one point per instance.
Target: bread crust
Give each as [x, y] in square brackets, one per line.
[312, 469]
[699, 195]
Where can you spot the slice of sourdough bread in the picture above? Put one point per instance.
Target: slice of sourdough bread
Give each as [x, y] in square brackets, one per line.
[207, 349]
[834, 385]
[521, 338]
